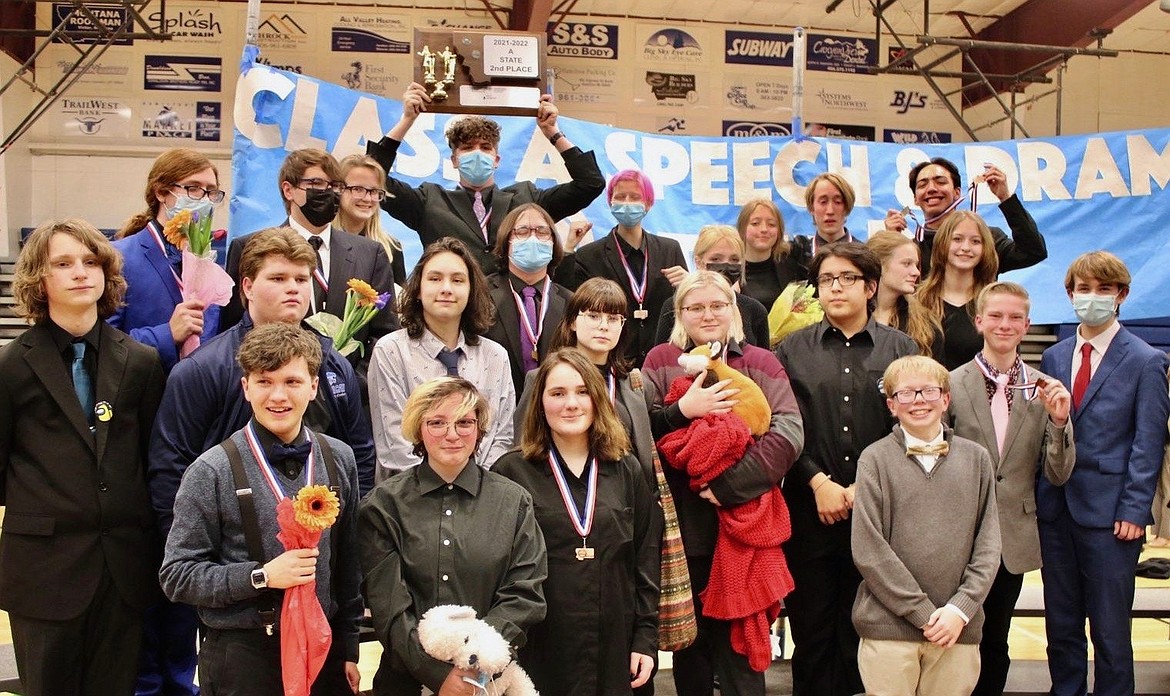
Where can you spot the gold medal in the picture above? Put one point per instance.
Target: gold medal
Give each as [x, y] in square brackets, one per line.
[585, 553]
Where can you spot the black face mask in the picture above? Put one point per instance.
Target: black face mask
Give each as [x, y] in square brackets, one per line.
[320, 206]
[731, 271]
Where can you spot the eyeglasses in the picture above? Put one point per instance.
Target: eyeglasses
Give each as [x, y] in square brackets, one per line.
[908, 396]
[717, 308]
[542, 232]
[363, 192]
[197, 192]
[847, 280]
[601, 318]
[438, 427]
[320, 185]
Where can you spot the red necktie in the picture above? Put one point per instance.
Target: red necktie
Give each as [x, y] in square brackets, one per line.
[1081, 385]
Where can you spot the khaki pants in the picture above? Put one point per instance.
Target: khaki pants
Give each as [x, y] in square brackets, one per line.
[903, 668]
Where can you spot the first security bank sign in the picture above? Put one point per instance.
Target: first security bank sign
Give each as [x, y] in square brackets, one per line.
[1085, 192]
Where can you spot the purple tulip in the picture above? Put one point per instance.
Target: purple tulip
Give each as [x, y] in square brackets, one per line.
[383, 300]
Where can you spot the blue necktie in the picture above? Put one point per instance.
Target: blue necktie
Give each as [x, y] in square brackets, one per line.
[82, 383]
[450, 360]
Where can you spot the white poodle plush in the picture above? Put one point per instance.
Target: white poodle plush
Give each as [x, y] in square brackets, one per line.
[453, 634]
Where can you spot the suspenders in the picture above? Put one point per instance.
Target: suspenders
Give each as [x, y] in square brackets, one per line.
[266, 604]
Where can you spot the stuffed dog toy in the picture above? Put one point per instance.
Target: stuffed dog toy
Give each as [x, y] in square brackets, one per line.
[453, 634]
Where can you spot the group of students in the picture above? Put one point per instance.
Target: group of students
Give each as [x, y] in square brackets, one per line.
[520, 373]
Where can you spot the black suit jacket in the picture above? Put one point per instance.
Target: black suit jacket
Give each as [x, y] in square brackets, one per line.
[599, 259]
[436, 212]
[75, 501]
[506, 329]
[350, 256]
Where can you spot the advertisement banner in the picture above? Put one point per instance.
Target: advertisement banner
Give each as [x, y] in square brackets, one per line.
[1086, 192]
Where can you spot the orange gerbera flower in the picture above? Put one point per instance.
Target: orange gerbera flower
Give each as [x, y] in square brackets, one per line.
[366, 294]
[175, 231]
[316, 508]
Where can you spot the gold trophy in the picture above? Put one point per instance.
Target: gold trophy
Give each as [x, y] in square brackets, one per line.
[478, 71]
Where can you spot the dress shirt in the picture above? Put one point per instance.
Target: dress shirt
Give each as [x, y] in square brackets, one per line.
[425, 542]
[634, 257]
[400, 364]
[1100, 344]
[837, 381]
[64, 341]
[927, 461]
[326, 238]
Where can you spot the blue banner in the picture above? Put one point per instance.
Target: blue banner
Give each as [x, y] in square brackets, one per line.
[1086, 192]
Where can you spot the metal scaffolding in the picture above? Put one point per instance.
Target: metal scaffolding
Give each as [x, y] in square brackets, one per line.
[908, 64]
[89, 35]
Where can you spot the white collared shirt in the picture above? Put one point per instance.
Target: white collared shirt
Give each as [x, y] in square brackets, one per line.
[1100, 344]
[326, 238]
[926, 460]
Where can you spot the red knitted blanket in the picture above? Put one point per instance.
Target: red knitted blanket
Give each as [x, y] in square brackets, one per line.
[749, 576]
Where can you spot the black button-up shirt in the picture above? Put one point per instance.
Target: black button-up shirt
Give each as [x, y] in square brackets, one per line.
[426, 542]
[837, 382]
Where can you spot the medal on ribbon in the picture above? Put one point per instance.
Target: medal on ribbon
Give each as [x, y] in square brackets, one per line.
[582, 520]
[637, 289]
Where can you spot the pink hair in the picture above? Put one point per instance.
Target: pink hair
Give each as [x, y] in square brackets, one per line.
[638, 178]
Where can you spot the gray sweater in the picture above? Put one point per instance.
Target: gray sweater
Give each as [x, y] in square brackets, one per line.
[207, 564]
[922, 541]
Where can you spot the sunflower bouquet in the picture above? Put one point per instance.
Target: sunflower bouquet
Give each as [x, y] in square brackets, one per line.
[305, 634]
[794, 309]
[203, 279]
[362, 302]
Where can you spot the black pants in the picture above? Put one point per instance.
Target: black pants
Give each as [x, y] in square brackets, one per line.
[246, 662]
[93, 654]
[824, 656]
[997, 621]
[711, 653]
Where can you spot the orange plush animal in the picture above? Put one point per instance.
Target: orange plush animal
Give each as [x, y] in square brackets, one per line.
[752, 405]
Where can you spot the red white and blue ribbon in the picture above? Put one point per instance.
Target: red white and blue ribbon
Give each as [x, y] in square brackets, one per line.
[266, 469]
[611, 385]
[583, 523]
[638, 289]
[156, 233]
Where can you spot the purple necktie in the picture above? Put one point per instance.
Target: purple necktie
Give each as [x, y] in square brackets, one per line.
[481, 214]
[527, 347]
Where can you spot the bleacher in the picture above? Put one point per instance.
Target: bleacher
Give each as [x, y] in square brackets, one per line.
[11, 325]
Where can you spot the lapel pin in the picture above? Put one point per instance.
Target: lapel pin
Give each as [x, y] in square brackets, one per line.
[104, 411]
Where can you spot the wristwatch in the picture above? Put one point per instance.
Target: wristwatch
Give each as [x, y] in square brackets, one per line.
[555, 137]
[260, 579]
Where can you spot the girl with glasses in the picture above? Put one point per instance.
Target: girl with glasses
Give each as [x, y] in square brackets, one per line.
[360, 211]
[705, 311]
[438, 534]
[719, 248]
[602, 526]
[155, 312]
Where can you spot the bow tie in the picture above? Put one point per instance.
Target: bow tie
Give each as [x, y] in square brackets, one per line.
[299, 451]
[940, 449]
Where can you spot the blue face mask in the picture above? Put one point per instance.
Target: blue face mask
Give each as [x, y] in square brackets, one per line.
[628, 215]
[1094, 310]
[475, 168]
[202, 207]
[531, 254]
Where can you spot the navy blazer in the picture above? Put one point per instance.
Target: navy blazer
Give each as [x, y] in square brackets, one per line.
[152, 295]
[1120, 431]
